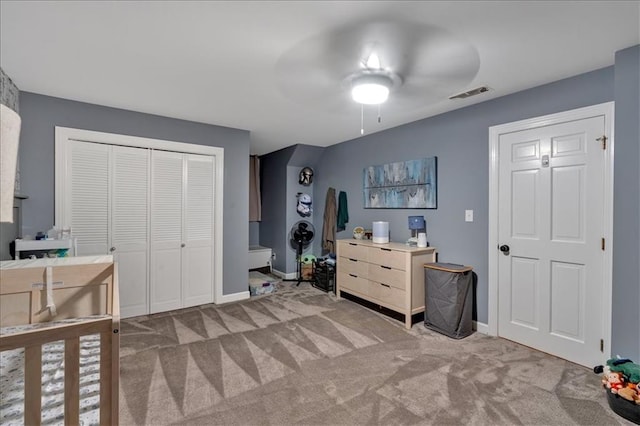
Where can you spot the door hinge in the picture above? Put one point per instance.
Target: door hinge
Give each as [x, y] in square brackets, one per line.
[603, 139]
[602, 244]
[601, 345]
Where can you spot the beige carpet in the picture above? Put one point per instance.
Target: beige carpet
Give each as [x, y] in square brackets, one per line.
[300, 356]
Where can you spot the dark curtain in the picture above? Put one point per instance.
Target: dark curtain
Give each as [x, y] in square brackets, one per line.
[255, 204]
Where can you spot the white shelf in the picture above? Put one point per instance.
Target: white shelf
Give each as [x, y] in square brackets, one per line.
[27, 245]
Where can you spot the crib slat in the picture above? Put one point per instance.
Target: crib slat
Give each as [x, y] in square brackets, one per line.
[105, 378]
[33, 385]
[72, 381]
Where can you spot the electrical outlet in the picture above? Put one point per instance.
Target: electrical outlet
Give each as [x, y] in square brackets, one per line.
[468, 215]
[273, 255]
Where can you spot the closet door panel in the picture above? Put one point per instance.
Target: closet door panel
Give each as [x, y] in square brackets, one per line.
[166, 230]
[129, 225]
[198, 231]
[88, 208]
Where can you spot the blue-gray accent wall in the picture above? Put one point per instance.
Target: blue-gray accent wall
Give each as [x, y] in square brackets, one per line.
[460, 141]
[254, 233]
[626, 206]
[273, 183]
[41, 114]
[280, 185]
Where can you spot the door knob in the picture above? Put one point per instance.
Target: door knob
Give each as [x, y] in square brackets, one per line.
[182, 245]
[112, 249]
[504, 248]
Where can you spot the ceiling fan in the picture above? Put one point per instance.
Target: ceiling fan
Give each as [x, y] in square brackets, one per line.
[407, 64]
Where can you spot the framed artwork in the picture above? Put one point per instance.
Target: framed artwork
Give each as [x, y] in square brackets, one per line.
[408, 184]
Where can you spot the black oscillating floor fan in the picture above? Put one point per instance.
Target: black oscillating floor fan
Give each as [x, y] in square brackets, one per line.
[300, 236]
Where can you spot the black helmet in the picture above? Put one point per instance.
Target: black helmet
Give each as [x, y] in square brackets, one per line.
[306, 176]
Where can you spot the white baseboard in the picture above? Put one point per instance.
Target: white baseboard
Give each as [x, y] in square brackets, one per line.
[481, 327]
[234, 297]
[283, 275]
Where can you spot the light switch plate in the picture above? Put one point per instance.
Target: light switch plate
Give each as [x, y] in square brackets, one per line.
[468, 215]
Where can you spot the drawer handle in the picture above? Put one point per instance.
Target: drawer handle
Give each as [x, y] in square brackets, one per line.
[385, 249]
[385, 285]
[353, 260]
[352, 275]
[353, 244]
[385, 267]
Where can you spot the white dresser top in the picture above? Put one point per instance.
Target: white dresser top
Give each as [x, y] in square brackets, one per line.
[55, 261]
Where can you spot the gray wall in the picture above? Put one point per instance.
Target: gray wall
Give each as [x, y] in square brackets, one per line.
[279, 173]
[626, 205]
[460, 141]
[254, 233]
[273, 227]
[40, 114]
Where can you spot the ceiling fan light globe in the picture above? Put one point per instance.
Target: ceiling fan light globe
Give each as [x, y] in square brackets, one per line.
[370, 93]
[371, 89]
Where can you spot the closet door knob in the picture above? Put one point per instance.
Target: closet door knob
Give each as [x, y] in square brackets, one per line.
[182, 245]
[112, 249]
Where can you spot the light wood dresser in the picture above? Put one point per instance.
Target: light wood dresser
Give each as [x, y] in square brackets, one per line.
[390, 275]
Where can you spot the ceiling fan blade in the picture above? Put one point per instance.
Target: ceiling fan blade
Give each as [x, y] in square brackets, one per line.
[431, 62]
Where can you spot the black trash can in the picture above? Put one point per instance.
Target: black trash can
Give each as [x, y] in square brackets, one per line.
[448, 301]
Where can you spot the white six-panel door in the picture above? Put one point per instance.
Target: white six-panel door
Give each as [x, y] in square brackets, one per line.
[551, 196]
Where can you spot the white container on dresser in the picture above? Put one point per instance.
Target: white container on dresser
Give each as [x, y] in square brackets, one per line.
[390, 275]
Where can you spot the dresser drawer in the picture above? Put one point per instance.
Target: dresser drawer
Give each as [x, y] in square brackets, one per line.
[386, 257]
[347, 282]
[354, 266]
[388, 295]
[352, 251]
[386, 275]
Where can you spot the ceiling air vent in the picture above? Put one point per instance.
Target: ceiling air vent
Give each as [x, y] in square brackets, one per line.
[470, 93]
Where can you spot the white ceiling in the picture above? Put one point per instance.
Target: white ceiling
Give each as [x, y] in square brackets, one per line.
[219, 62]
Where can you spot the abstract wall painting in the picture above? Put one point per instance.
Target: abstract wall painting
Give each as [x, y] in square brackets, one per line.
[408, 184]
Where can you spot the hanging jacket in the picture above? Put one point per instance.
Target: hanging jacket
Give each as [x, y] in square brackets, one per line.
[329, 223]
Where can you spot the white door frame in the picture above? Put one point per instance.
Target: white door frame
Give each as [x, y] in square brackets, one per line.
[64, 134]
[606, 110]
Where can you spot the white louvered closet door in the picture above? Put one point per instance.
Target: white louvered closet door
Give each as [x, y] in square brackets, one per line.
[87, 209]
[197, 272]
[129, 227]
[166, 231]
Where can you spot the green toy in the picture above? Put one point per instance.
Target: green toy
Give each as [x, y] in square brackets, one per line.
[308, 259]
[625, 367]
